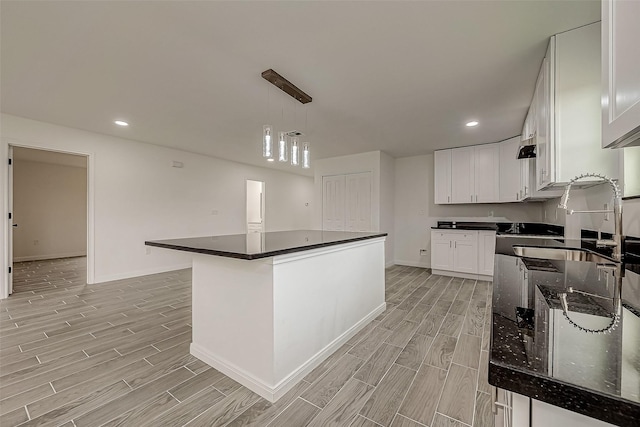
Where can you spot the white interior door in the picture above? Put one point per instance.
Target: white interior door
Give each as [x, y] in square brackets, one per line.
[333, 202]
[358, 202]
[255, 206]
[10, 223]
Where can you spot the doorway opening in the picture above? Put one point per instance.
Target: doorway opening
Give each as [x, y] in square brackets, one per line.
[255, 206]
[48, 225]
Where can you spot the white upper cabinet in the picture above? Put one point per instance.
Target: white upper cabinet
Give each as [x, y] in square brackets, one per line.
[543, 122]
[620, 73]
[462, 175]
[475, 175]
[442, 177]
[510, 171]
[528, 130]
[568, 125]
[486, 173]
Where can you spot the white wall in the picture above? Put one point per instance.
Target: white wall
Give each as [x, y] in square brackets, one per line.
[138, 196]
[381, 167]
[416, 213]
[50, 208]
[387, 204]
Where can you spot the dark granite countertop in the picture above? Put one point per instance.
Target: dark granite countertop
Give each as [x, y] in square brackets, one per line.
[505, 228]
[262, 245]
[537, 351]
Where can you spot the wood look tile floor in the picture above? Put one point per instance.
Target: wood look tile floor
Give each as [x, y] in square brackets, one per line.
[117, 354]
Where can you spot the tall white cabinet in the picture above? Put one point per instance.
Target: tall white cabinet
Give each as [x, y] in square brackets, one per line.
[442, 177]
[346, 202]
[567, 103]
[620, 73]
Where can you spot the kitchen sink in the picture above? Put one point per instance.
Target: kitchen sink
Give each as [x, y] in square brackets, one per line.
[561, 254]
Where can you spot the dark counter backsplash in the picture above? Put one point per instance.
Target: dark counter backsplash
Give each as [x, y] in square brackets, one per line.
[631, 248]
[534, 228]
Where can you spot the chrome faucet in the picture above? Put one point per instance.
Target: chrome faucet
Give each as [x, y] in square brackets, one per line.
[618, 239]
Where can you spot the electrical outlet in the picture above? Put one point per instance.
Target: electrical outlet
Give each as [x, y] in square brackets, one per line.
[215, 212]
[423, 252]
[421, 212]
[490, 214]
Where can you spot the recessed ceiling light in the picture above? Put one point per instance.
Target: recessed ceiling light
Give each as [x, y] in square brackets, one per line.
[472, 124]
[270, 160]
[121, 123]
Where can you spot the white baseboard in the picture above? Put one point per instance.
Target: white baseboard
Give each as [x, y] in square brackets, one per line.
[463, 275]
[274, 392]
[50, 256]
[390, 264]
[130, 274]
[412, 263]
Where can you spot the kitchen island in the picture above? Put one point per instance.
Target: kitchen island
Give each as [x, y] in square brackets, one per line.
[270, 307]
[566, 334]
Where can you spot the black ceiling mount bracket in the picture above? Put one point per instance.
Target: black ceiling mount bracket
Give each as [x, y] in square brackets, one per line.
[286, 86]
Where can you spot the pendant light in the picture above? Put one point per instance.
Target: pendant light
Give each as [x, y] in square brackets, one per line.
[306, 161]
[306, 157]
[283, 148]
[285, 139]
[267, 144]
[295, 153]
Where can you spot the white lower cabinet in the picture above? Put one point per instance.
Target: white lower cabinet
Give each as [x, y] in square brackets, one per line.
[510, 409]
[545, 415]
[464, 253]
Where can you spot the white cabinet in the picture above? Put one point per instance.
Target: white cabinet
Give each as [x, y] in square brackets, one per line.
[543, 119]
[462, 175]
[441, 250]
[510, 171]
[486, 252]
[568, 118]
[620, 73]
[346, 202]
[486, 173]
[467, 174]
[511, 409]
[545, 415]
[442, 177]
[529, 127]
[463, 253]
[454, 250]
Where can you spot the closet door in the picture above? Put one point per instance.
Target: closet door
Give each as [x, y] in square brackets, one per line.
[358, 202]
[333, 197]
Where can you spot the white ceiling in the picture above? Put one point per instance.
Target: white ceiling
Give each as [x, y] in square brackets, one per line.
[402, 77]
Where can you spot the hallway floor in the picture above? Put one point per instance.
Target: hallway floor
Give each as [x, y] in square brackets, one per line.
[117, 354]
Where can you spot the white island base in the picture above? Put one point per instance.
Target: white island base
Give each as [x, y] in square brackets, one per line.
[268, 322]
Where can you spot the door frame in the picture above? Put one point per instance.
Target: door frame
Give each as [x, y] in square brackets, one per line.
[7, 226]
[262, 204]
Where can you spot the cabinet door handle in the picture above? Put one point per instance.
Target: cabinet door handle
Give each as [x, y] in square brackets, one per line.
[455, 245]
[449, 243]
[448, 199]
[472, 198]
